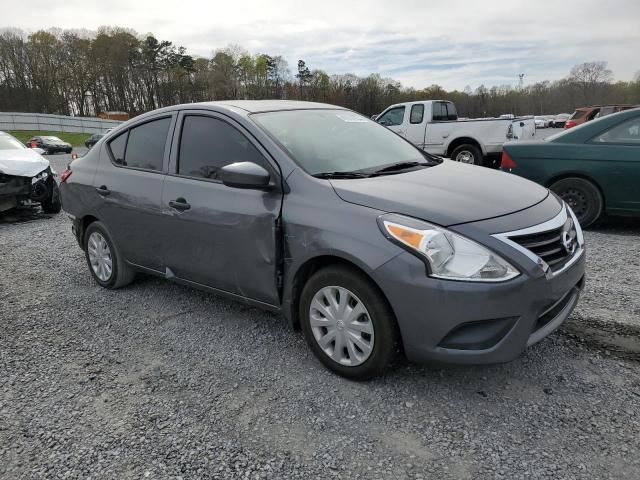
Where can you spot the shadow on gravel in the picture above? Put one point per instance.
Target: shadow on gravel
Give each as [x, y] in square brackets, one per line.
[23, 215]
[618, 226]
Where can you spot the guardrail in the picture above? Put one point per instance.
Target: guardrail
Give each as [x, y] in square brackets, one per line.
[53, 123]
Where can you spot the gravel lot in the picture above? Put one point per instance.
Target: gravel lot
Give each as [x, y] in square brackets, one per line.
[157, 380]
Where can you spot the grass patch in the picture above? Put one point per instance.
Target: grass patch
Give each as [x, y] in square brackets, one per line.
[75, 139]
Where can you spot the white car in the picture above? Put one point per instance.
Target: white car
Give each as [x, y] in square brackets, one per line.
[26, 175]
[434, 126]
[541, 122]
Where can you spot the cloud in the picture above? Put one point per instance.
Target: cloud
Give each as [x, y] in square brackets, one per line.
[420, 42]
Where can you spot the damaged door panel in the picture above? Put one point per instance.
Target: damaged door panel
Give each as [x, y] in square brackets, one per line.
[215, 235]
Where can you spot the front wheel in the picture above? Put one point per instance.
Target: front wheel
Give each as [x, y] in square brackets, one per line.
[467, 153]
[347, 323]
[582, 196]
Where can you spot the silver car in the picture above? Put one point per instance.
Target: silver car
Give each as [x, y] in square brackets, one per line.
[369, 245]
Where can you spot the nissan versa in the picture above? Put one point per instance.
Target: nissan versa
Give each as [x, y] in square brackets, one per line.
[368, 244]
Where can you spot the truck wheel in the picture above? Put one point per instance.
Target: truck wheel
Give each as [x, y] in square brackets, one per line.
[53, 203]
[106, 264]
[347, 323]
[467, 153]
[583, 197]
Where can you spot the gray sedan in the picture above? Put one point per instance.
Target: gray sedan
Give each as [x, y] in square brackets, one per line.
[363, 241]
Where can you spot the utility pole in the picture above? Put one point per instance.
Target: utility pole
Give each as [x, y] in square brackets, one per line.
[520, 81]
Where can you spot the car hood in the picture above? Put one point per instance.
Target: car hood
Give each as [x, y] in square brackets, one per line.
[447, 194]
[22, 162]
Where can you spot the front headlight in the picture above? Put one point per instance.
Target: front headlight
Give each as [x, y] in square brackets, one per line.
[449, 255]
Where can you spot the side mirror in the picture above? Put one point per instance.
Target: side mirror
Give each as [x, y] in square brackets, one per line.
[74, 156]
[522, 124]
[245, 175]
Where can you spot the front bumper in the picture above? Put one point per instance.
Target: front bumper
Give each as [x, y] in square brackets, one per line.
[466, 322]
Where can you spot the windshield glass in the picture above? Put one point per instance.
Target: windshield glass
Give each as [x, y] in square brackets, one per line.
[52, 139]
[322, 141]
[9, 143]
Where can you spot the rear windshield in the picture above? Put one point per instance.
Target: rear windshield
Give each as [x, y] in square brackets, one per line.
[323, 141]
[578, 114]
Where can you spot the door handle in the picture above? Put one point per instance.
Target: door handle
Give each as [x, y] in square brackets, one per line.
[103, 190]
[179, 204]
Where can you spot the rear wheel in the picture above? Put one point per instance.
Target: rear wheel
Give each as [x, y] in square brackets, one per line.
[467, 153]
[582, 196]
[347, 323]
[106, 264]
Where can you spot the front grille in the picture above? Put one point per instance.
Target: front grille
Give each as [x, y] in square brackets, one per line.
[555, 247]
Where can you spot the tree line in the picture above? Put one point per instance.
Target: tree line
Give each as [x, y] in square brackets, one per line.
[115, 69]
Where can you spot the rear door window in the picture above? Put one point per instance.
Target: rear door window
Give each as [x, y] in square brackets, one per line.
[626, 133]
[417, 113]
[142, 146]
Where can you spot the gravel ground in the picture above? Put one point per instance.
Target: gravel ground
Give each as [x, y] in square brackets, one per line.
[161, 381]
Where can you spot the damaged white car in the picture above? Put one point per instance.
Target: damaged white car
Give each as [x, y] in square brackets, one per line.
[26, 176]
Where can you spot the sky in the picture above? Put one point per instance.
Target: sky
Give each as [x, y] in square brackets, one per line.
[447, 42]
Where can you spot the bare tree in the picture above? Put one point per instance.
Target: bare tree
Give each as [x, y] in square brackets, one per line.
[589, 76]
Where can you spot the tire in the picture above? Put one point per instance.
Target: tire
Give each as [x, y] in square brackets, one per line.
[583, 197]
[468, 153]
[53, 203]
[121, 274]
[377, 318]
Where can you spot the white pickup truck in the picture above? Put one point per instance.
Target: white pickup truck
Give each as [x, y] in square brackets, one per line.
[433, 125]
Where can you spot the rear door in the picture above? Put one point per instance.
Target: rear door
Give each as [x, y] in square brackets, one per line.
[215, 235]
[415, 124]
[439, 129]
[128, 184]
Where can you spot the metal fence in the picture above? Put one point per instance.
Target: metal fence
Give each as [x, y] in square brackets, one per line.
[53, 123]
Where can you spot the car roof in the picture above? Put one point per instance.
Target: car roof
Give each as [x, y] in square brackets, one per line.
[245, 106]
[255, 106]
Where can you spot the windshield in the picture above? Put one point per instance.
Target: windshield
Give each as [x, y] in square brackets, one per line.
[323, 141]
[52, 139]
[10, 143]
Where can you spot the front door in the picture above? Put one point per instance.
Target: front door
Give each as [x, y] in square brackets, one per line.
[216, 235]
[393, 119]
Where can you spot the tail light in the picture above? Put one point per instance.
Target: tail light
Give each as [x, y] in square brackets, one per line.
[65, 175]
[570, 124]
[507, 162]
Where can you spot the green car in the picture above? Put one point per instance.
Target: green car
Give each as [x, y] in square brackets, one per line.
[594, 167]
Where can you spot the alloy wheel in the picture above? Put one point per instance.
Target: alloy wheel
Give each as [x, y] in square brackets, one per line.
[465, 156]
[100, 256]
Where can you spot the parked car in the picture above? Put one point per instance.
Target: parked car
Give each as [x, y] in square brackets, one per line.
[25, 175]
[559, 120]
[364, 241]
[594, 167]
[541, 122]
[93, 139]
[50, 144]
[609, 109]
[581, 115]
[434, 127]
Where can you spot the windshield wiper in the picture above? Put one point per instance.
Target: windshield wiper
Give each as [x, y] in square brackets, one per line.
[399, 166]
[339, 175]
